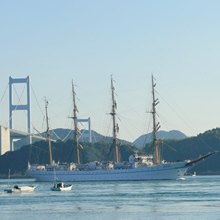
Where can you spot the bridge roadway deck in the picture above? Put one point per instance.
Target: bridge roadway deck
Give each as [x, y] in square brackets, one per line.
[15, 134]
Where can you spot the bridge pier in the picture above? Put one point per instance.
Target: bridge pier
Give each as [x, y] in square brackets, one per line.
[7, 136]
[4, 140]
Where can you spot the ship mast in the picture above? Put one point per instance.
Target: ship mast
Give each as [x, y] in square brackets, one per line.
[76, 141]
[156, 126]
[115, 126]
[48, 132]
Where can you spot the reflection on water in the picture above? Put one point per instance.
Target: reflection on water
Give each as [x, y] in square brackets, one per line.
[192, 198]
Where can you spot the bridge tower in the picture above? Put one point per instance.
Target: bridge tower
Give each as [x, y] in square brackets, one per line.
[26, 107]
[89, 128]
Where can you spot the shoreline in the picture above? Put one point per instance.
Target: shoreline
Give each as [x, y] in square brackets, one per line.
[26, 176]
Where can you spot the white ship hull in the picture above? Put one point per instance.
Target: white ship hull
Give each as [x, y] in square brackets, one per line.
[166, 171]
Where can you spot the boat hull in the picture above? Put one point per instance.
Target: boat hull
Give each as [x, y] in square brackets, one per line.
[23, 189]
[68, 188]
[159, 172]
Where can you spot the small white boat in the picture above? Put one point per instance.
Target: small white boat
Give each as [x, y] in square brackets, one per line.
[17, 189]
[194, 174]
[60, 186]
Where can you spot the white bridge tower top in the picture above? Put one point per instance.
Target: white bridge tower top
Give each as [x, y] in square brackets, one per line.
[16, 107]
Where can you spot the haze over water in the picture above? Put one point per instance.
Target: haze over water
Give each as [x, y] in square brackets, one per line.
[190, 198]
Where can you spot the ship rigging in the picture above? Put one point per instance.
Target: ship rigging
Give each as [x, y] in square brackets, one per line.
[138, 166]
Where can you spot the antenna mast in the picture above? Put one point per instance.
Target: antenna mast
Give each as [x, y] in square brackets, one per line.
[48, 132]
[156, 127]
[115, 126]
[76, 141]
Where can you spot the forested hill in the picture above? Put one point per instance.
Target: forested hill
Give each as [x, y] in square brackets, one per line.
[17, 161]
[171, 150]
[189, 148]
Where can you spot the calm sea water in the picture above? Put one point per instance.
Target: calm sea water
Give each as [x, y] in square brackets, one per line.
[191, 198]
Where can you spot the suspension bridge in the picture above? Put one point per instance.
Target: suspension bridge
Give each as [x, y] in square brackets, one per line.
[9, 134]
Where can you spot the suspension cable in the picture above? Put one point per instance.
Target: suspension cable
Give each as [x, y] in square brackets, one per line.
[19, 101]
[4, 93]
[37, 100]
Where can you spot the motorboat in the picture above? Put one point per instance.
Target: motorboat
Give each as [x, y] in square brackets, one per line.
[21, 189]
[60, 186]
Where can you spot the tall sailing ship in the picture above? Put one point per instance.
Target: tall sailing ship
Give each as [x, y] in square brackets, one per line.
[138, 166]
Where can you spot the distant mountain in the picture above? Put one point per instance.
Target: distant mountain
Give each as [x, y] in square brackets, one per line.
[147, 138]
[65, 134]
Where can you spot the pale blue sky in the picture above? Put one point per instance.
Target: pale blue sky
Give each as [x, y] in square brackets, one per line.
[56, 41]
